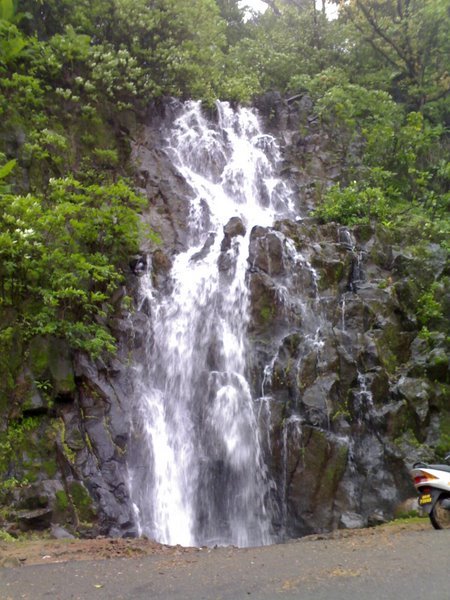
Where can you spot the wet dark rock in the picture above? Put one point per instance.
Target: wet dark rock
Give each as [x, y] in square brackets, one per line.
[234, 227]
[378, 383]
[315, 480]
[39, 519]
[161, 182]
[318, 394]
[225, 262]
[266, 251]
[138, 265]
[417, 393]
[347, 388]
[205, 250]
[274, 110]
[266, 309]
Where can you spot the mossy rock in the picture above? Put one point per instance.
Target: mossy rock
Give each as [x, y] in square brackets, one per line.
[417, 392]
[363, 232]
[393, 346]
[400, 419]
[263, 302]
[62, 505]
[28, 450]
[320, 468]
[440, 398]
[11, 363]
[411, 447]
[438, 365]
[82, 502]
[50, 360]
[74, 439]
[50, 467]
[39, 356]
[331, 271]
[407, 292]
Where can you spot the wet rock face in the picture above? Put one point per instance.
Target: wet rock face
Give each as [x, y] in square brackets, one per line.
[102, 421]
[159, 180]
[335, 344]
[71, 445]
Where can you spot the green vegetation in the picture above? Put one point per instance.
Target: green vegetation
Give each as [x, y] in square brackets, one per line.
[410, 517]
[59, 259]
[5, 537]
[443, 445]
[82, 503]
[62, 501]
[12, 445]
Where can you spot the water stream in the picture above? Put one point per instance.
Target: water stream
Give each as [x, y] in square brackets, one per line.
[198, 473]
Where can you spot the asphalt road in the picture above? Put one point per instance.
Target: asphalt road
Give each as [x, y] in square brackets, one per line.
[400, 565]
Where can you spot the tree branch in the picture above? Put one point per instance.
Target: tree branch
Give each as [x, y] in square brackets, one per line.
[407, 61]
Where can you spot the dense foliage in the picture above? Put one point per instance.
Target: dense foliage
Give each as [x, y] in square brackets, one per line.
[75, 76]
[60, 254]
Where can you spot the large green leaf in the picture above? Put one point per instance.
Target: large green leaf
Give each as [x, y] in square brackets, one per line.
[6, 169]
[6, 10]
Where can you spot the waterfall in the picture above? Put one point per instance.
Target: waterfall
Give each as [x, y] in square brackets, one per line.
[197, 474]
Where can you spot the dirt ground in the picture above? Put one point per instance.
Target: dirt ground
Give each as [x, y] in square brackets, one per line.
[41, 551]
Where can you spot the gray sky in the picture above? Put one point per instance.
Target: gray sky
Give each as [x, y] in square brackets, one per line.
[259, 6]
[255, 4]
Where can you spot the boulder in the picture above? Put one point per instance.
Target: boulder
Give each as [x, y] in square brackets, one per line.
[39, 518]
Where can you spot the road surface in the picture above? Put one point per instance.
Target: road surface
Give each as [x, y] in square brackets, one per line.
[384, 564]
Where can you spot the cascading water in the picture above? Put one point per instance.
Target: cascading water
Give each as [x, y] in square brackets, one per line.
[197, 473]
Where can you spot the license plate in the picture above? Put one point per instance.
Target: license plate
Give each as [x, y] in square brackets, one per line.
[425, 499]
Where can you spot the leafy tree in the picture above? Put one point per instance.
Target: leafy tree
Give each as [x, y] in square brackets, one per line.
[135, 48]
[234, 17]
[61, 258]
[382, 148]
[409, 40]
[5, 170]
[12, 41]
[356, 203]
[286, 43]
